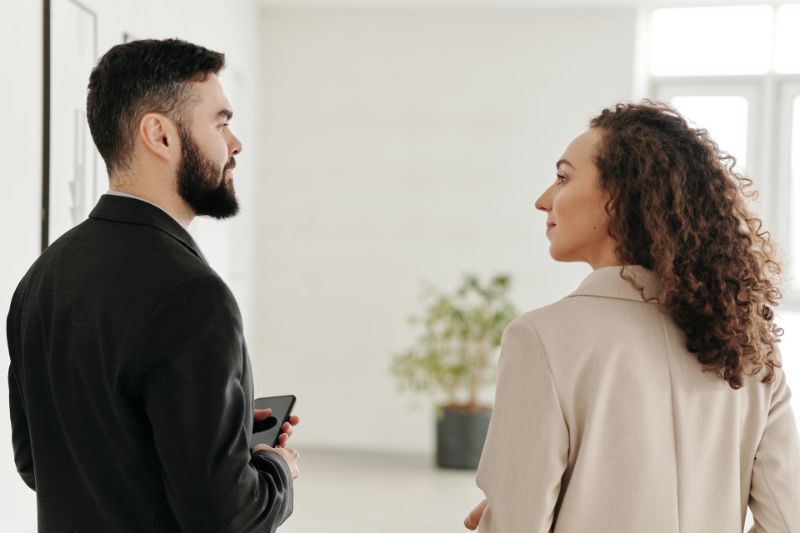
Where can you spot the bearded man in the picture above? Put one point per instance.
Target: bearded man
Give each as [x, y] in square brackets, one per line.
[131, 390]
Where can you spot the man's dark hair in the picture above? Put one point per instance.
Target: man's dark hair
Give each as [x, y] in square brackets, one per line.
[139, 77]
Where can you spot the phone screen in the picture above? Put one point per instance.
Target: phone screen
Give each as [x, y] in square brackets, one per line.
[267, 431]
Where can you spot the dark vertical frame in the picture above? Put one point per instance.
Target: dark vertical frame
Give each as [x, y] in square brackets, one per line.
[47, 59]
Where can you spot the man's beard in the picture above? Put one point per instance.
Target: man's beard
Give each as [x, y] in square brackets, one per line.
[197, 177]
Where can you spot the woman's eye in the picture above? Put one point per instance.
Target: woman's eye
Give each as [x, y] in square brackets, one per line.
[560, 178]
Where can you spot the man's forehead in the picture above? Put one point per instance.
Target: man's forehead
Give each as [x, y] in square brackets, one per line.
[212, 99]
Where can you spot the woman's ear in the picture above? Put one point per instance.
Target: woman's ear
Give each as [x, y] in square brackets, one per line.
[609, 207]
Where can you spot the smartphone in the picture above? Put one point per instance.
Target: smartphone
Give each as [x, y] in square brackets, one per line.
[267, 431]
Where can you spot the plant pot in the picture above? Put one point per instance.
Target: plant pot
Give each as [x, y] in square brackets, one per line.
[460, 434]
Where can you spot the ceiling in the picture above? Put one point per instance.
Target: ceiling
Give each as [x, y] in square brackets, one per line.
[536, 4]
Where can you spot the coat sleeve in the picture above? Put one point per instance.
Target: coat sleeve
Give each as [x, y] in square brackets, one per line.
[775, 486]
[20, 436]
[526, 449]
[192, 368]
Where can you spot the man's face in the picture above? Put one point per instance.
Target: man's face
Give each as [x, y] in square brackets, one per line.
[208, 147]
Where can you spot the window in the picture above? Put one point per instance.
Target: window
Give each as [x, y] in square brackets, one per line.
[725, 118]
[787, 60]
[793, 140]
[711, 40]
[735, 71]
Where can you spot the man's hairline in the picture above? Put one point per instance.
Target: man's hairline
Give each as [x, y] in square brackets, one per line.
[180, 115]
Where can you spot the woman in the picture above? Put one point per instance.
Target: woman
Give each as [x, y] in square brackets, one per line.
[652, 398]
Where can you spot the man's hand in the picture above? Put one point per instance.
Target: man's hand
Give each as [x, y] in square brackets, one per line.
[287, 428]
[474, 517]
[289, 455]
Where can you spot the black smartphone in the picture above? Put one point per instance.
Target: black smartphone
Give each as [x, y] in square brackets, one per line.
[267, 431]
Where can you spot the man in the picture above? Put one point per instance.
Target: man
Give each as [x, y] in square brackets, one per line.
[130, 385]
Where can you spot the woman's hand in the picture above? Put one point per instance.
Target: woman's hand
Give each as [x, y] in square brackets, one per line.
[474, 517]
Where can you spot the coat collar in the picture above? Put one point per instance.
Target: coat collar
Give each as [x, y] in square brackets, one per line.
[134, 211]
[606, 283]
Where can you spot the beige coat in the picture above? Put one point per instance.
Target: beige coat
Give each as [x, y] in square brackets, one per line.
[604, 423]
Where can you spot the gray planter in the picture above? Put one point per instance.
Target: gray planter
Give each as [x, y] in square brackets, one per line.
[459, 437]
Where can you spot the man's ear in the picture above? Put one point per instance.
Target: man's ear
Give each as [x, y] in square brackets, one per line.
[159, 136]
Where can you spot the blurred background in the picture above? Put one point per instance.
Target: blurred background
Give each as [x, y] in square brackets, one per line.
[387, 144]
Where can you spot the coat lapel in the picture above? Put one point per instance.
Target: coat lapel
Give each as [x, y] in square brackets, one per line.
[133, 211]
[607, 283]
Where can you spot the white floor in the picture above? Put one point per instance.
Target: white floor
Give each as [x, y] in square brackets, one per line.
[351, 492]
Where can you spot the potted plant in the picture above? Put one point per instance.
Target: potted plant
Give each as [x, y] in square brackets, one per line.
[452, 360]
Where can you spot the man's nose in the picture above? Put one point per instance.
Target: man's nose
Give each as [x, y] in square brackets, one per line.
[235, 146]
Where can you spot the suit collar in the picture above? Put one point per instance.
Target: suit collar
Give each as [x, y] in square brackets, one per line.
[607, 283]
[134, 211]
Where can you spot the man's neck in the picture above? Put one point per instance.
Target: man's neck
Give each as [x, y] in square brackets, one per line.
[173, 205]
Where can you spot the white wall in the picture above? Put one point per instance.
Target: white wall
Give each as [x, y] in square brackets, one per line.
[399, 146]
[225, 26]
[20, 151]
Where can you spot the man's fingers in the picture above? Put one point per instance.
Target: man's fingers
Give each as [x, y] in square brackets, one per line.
[286, 432]
[261, 414]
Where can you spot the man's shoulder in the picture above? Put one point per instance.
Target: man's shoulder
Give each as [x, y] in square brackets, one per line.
[135, 243]
[118, 257]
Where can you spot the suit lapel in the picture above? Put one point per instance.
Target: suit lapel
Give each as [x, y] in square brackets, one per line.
[607, 283]
[134, 211]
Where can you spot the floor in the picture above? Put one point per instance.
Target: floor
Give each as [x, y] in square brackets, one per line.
[356, 492]
[350, 492]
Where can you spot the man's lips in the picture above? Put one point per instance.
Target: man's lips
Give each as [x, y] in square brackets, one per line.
[227, 170]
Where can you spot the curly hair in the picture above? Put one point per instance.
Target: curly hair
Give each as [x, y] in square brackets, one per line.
[679, 208]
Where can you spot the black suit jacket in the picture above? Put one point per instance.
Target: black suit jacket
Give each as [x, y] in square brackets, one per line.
[130, 386]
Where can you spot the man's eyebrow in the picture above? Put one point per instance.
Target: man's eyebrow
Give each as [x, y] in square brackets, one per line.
[564, 162]
[227, 114]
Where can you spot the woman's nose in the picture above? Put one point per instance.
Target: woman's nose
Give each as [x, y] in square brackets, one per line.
[543, 202]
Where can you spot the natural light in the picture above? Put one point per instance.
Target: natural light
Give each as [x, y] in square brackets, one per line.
[787, 39]
[725, 118]
[795, 188]
[711, 41]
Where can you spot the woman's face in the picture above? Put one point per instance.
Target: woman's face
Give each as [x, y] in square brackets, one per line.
[577, 223]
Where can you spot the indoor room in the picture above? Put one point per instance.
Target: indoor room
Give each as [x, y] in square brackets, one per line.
[393, 152]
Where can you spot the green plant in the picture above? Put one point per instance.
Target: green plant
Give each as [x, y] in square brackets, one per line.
[460, 331]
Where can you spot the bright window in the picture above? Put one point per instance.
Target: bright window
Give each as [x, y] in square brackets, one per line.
[735, 71]
[787, 39]
[725, 118]
[711, 41]
[795, 192]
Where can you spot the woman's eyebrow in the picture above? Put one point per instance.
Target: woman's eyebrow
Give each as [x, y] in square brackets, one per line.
[564, 162]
